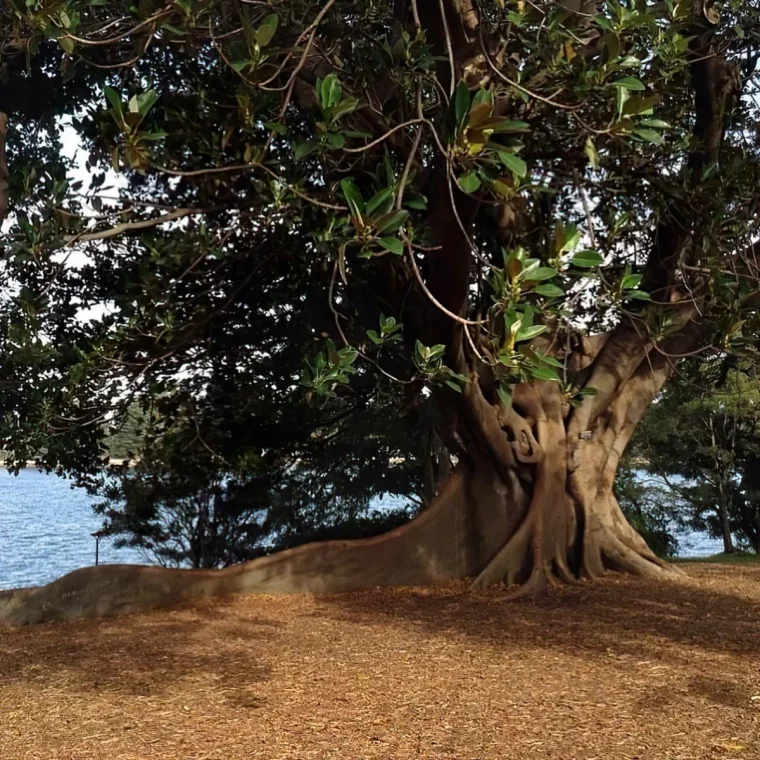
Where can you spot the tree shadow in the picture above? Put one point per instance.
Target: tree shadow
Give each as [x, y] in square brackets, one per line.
[144, 655]
[618, 617]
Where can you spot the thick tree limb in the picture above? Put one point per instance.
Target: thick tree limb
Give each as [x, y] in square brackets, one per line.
[712, 81]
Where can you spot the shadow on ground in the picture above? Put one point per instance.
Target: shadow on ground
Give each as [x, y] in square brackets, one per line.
[618, 616]
[139, 655]
[229, 639]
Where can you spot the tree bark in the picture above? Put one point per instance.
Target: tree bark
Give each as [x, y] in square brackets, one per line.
[530, 503]
[725, 528]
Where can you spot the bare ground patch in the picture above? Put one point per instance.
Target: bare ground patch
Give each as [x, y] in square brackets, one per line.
[620, 669]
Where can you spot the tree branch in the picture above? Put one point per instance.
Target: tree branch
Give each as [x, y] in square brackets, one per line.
[4, 180]
[141, 225]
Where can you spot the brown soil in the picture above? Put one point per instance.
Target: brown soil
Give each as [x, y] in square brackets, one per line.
[616, 670]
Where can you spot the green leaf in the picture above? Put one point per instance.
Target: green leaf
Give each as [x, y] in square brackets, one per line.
[636, 105]
[416, 202]
[392, 244]
[173, 29]
[656, 123]
[389, 324]
[590, 150]
[482, 96]
[572, 236]
[302, 149]
[267, 29]
[630, 62]
[514, 163]
[631, 281]
[587, 259]
[347, 355]
[146, 101]
[540, 273]
[330, 91]
[113, 99]
[528, 333]
[621, 98]
[347, 105]
[648, 135]
[353, 197]
[391, 222]
[469, 182]
[544, 373]
[437, 351]
[505, 395]
[379, 199]
[336, 139]
[461, 104]
[374, 337]
[549, 290]
[240, 65]
[454, 386]
[67, 44]
[630, 83]
[277, 127]
[639, 295]
[604, 23]
[507, 125]
[544, 358]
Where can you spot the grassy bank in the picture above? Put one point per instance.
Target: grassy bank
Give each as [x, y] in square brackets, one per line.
[737, 558]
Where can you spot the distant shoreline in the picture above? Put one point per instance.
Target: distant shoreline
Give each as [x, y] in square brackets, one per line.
[31, 465]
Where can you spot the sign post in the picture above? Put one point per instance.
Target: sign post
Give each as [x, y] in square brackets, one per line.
[97, 536]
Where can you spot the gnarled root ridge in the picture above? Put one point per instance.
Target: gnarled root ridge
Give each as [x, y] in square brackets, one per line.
[468, 531]
[448, 540]
[555, 544]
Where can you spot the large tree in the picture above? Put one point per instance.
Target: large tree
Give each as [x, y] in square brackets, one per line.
[702, 438]
[555, 200]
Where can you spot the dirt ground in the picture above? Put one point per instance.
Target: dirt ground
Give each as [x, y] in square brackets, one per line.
[617, 670]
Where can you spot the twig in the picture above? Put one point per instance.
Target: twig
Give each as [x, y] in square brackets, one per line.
[445, 23]
[141, 225]
[118, 38]
[418, 274]
[384, 137]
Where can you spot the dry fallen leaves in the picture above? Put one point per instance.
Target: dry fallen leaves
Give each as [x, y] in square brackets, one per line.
[617, 670]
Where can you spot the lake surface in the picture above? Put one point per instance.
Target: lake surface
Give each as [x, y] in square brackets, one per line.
[45, 528]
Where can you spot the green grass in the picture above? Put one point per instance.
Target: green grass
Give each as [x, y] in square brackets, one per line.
[737, 558]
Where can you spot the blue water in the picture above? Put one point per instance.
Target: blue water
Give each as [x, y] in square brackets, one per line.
[45, 528]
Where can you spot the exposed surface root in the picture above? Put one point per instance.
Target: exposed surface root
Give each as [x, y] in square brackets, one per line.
[467, 532]
[451, 539]
[508, 566]
[538, 582]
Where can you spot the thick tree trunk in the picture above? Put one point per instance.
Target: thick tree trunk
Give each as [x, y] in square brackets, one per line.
[725, 529]
[530, 503]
